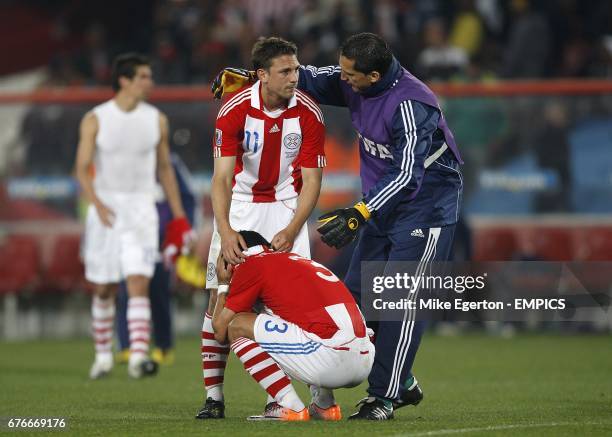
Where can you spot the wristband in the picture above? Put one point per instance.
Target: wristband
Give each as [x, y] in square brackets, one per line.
[223, 288]
[363, 210]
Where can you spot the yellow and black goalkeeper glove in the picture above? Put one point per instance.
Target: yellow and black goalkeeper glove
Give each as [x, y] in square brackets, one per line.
[338, 228]
[231, 79]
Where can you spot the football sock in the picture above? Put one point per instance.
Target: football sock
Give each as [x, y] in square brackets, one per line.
[267, 373]
[214, 359]
[323, 397]
[410, 383]
[139, 327]
[103, 316]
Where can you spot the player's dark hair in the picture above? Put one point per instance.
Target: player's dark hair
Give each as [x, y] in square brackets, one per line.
[125, 65]
[266, 49]
[253, 238]
[369, 51]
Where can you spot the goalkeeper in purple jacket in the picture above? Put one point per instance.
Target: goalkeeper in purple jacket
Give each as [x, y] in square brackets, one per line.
[411, 187]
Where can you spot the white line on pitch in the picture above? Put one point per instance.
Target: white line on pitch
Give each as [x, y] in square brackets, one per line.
[498, 428]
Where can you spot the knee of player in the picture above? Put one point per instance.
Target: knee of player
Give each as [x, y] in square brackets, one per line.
[106, 291]
[238, 327]
[138, 285]
[233, 330]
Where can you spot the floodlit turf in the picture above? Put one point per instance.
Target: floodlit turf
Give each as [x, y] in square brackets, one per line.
[532, 385]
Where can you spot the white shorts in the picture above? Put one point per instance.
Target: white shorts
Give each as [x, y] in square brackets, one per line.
[267, 218]
[130, 247]
[310, 361]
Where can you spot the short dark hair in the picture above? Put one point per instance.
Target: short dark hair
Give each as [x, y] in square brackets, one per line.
[266, 49]
[125, 65]
[369, 51]
[253, 238]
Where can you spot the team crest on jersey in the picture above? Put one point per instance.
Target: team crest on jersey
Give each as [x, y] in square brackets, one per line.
[210, 272]
[292, 141]
[218, 137]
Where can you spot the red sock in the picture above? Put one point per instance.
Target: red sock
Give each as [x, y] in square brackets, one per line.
[139, 327]
[266, 372]
[214, 360]
[103, 316]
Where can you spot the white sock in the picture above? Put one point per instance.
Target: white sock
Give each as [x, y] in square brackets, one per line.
[139, 327]
[323, 397]
[214, 360]
[215, 393]
[267, 373]
[291, 400]
[103, 316]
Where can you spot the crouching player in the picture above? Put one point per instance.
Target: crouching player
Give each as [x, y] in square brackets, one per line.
[311, 329]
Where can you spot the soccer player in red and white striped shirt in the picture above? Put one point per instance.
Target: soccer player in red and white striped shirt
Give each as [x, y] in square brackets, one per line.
[311, 329]
[269, 158]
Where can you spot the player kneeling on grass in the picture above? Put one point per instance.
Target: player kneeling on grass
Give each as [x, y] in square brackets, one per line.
[311, 329]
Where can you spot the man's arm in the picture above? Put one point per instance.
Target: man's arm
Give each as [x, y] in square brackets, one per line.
[323, 84]
[165, 171]
[232, 243]
[311, 179]
[414, 124]
[311, 160]
[85, 153]
[221, 319]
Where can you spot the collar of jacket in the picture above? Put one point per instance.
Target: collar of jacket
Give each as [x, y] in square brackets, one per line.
[386, 82]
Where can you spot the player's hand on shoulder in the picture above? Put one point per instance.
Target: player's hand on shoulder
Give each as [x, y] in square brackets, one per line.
[107, 215]
[232, 246]
[283, 240]
[224, 271]
[231, 79]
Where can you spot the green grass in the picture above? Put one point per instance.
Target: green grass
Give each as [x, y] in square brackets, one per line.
[474, 385]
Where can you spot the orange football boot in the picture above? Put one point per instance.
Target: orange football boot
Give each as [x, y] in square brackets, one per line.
[331, 413]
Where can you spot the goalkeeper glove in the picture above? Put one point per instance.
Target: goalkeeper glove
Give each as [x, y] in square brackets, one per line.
[340, 227]
[230, 80]
[179, 236]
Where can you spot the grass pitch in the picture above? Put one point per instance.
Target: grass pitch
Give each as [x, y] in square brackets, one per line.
[473, 384]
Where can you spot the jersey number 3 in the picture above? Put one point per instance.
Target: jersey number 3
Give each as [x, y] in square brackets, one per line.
[274, 327]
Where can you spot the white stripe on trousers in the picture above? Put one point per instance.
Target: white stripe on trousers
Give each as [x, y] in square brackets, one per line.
[405, 173]
[403, 346]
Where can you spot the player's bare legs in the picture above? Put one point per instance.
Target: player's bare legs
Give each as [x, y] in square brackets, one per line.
[139, 326]
[103, 316]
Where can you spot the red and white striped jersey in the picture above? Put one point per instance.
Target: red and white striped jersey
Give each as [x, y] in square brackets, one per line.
[270, 147]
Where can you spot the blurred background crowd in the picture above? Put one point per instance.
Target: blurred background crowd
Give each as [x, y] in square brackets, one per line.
[190, 40]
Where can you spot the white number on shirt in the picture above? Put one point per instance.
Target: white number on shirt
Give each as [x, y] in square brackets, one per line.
[326, 274]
